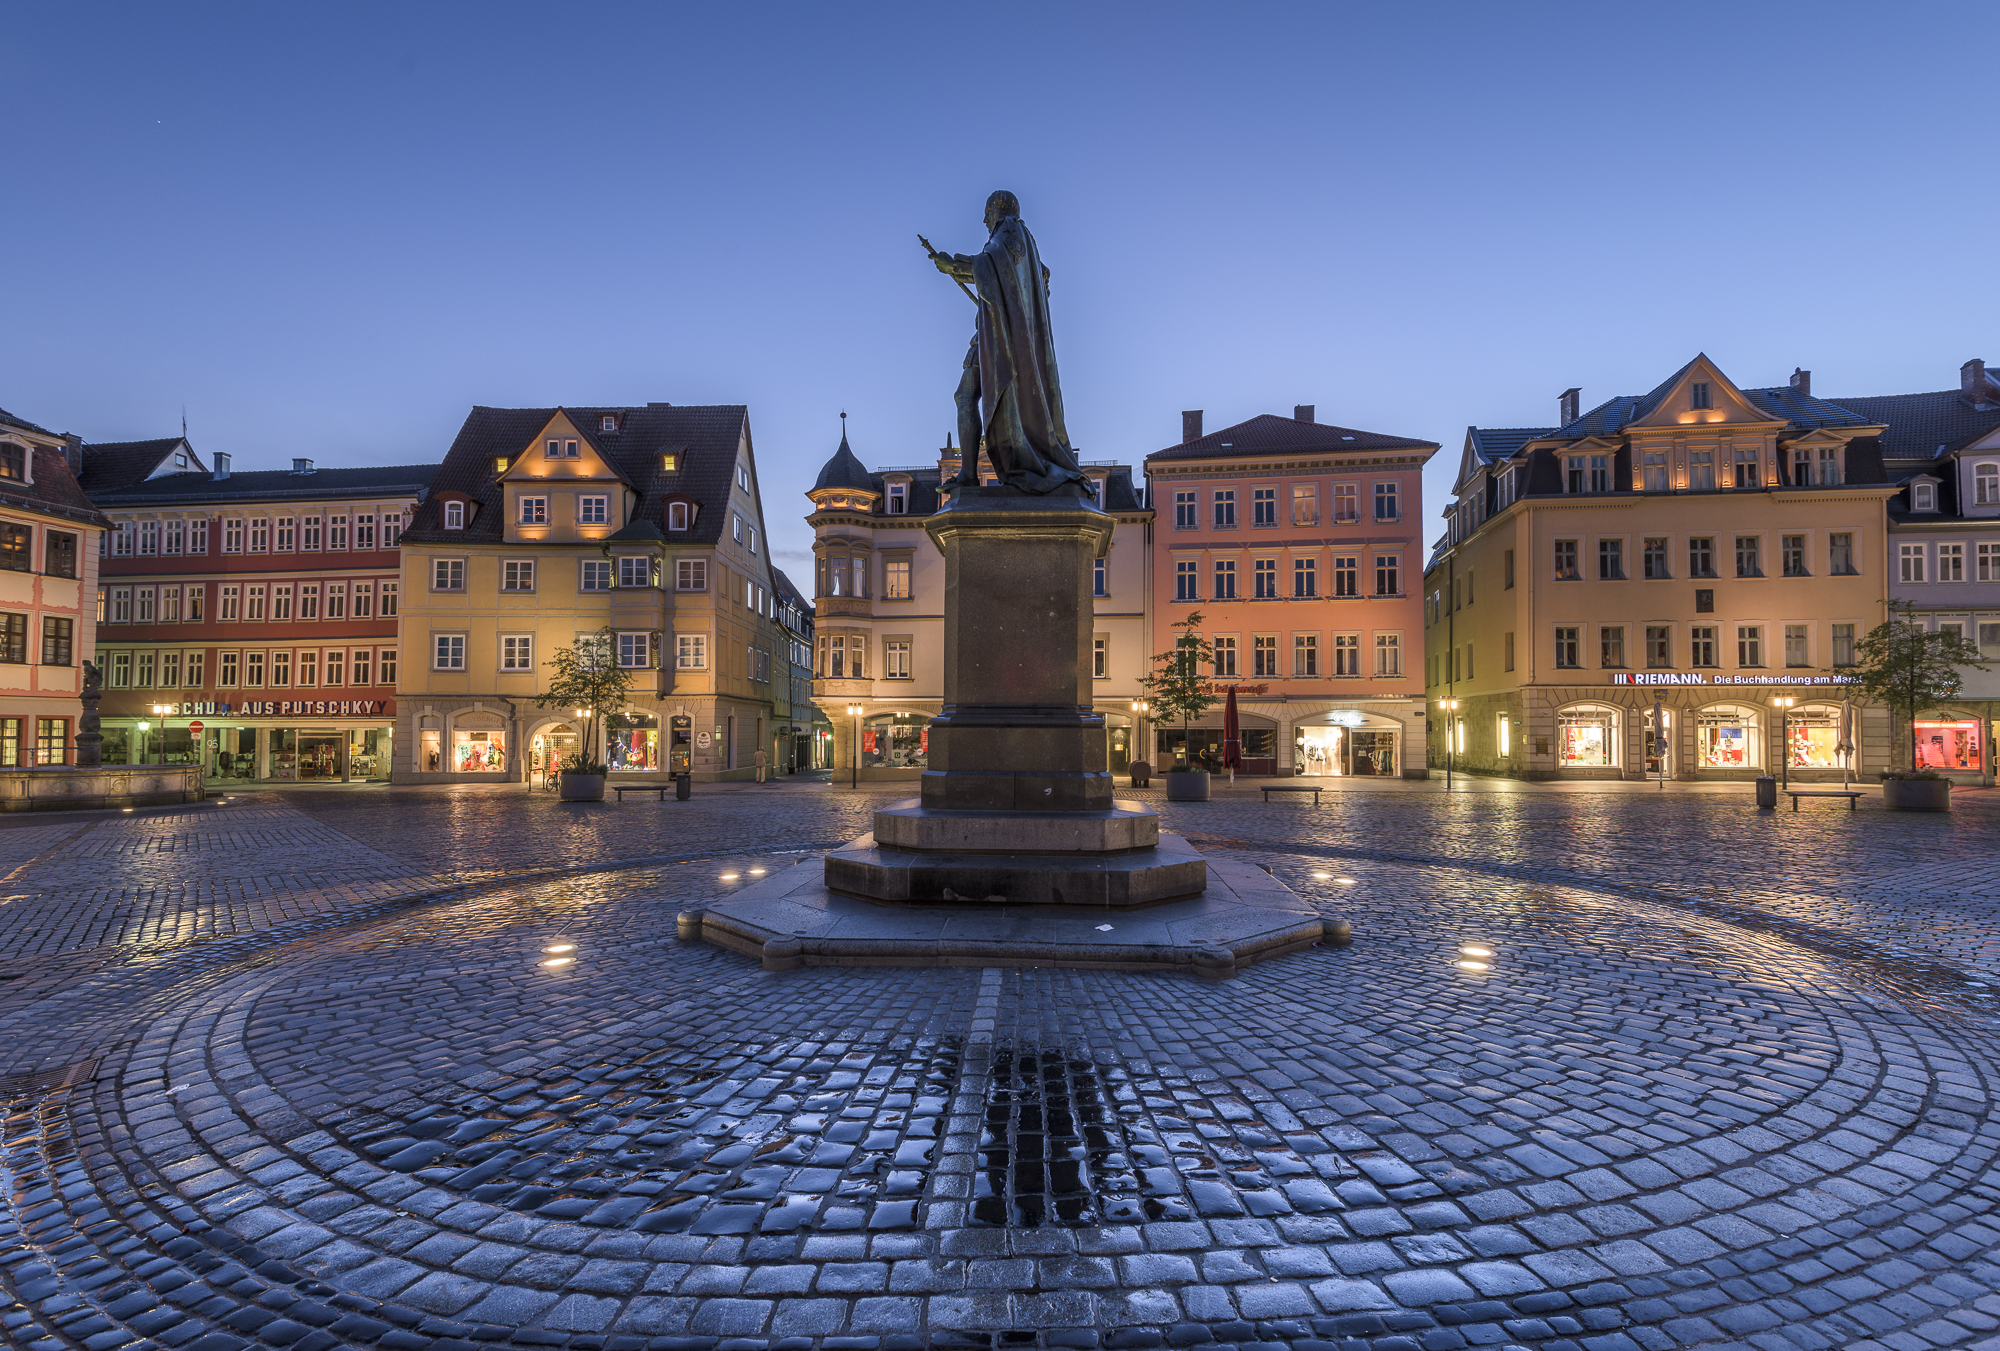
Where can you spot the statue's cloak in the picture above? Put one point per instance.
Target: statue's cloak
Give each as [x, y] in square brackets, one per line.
[1020, 397]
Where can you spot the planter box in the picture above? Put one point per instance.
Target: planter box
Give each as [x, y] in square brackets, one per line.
[1916, 795]
[582, 787]
[1187, 785]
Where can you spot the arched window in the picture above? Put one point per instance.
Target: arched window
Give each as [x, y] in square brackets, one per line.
[1587, 737]
[1726, 736]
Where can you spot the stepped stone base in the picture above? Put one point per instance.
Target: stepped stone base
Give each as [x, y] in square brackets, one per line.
[1170, 869]
[794, 920]
[912, 826]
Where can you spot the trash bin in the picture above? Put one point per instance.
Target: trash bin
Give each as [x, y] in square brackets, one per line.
[1767, 791]
[684, 787]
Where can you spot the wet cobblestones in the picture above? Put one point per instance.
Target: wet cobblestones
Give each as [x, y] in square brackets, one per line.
[1658, 1113]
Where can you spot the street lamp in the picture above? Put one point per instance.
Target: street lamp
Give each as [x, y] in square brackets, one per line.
[144, 727]
[854, 712]
[1783, 703]
[1450, 707]
[1660, 739]
[160, 711]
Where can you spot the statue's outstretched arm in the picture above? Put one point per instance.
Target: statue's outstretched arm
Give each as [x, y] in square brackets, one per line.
[955, 265]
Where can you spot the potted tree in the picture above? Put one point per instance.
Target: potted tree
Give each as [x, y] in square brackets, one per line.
[1910, 668]
[1177, 689]
[588, 677]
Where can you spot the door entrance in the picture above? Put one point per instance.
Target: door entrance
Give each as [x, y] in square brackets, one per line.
[551, 746]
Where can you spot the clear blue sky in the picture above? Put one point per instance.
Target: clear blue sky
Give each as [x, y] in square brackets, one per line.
[330, 230]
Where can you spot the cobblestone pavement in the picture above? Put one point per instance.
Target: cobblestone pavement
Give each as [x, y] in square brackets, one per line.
[431, 1069]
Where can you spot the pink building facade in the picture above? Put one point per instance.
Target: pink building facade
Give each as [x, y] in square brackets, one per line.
[1300, 545]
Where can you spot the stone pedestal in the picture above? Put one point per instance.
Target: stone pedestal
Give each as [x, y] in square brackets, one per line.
[1017, 731]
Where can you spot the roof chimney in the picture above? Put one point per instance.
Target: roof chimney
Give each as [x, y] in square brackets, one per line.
[73, 452]
[1802, 380]
[1302, 412]
[1570, 407]
[221, 472]
[1977, 385]
[1191, 426]
[302, 466]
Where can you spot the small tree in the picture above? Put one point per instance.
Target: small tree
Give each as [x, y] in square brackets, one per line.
[1176, 688]
[589, 676]
[1911, 668]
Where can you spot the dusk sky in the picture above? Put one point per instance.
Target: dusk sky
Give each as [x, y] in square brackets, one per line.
[329, 231]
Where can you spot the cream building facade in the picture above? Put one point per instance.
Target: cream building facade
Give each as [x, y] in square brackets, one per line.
[549, 524]
[1702, 549]
[879, 600]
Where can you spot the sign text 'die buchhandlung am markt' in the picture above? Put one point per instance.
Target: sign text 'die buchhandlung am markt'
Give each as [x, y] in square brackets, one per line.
[1704, 678]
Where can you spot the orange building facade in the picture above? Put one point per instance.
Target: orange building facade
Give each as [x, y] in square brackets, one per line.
[1299, 545]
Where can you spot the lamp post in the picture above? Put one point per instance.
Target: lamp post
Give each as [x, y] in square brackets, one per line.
[1783, 703]
[160, 711]
[1450, 707]
[583, 746]
[144, 727]
[854, 712]
[1139, 710]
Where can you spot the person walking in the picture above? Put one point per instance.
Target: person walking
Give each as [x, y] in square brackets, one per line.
[763, 762]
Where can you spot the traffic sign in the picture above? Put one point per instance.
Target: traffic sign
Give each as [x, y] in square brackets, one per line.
[194, 726]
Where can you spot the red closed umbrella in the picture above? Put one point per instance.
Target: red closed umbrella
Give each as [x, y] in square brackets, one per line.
[1232, 735]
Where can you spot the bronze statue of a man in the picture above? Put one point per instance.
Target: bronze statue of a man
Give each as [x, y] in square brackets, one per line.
[1009, 399]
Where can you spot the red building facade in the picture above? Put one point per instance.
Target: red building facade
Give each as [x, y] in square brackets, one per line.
[248, 622]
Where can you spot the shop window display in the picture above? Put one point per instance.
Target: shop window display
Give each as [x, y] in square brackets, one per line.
[1725, 738]
[896, 741]
[1813, 738]
[478, 752]
[1948, 745]
[1587, 738]
[633, 749]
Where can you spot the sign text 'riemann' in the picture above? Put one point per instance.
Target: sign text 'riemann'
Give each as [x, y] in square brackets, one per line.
[1703, 678]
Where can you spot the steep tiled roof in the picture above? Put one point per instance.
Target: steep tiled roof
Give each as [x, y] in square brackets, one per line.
[1495, 444]
[704, 439]
[7, 419]
[270, 485]
[1268, 434]
[1799, 409]
[845, 470]
[110, 466]
[1923, 425]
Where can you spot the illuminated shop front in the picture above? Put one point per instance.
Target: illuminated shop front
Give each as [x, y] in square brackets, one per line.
[1949, 747]
[632, 744]
[1814, 738]
[896, 741]
[1726, 737]
[1587, 737]
[1347, 742]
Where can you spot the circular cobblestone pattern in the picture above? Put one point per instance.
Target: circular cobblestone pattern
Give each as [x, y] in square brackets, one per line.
[431, 1069]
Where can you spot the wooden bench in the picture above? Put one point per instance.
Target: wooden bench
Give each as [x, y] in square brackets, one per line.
[662, 789]
[1292, 788]
[1796, 793]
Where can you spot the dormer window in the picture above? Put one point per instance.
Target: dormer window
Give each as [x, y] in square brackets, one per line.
[670, 463]
[1698, 396]
[610, 424]
[562, 449]
[898, 498]
[13, 461]
[499, 464]
[677, 515]
[454, 515]
[1986, 484]
[1573, 469]
[1923, 497]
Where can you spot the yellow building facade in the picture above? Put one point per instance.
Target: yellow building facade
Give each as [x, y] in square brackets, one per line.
[1700, 553]
[547, 525]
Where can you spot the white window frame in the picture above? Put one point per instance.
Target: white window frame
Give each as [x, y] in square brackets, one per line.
[587, 570]
[517, 652]
[532, 509]
[447, 574]
[447, 652]
[593, 509]
[691, 651]
[454, 519]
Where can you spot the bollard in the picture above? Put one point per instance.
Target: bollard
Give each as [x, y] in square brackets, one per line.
[1767, 793]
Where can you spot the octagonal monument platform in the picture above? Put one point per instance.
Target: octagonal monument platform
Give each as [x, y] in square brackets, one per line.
[1015, 853]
